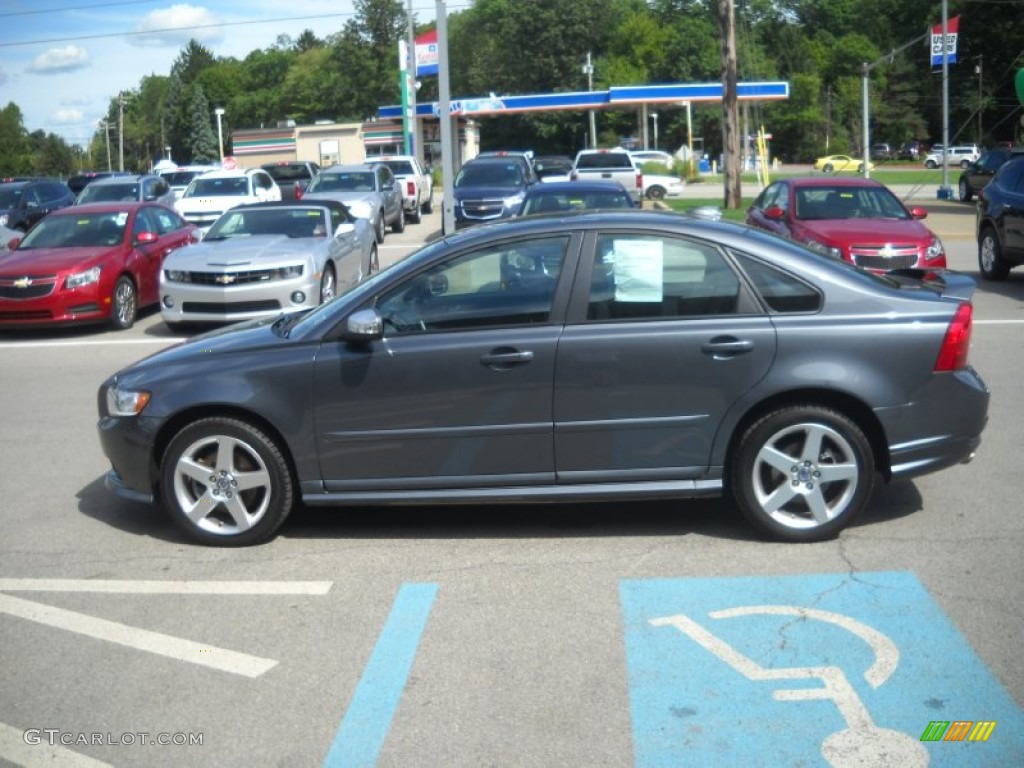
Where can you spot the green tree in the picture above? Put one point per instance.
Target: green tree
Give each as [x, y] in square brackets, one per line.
[202, 142]
[15, 148]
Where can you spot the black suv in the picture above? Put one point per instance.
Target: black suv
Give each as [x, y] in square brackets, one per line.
[1001, 221]
[23, 203]
[979, 173]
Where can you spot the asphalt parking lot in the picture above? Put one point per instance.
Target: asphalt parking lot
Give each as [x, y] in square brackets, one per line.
[652, 634]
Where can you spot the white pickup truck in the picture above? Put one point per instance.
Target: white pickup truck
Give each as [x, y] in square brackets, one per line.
[614, 164]
[417, 184]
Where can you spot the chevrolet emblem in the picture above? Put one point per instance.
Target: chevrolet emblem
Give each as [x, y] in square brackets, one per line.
[225, 279]
[887, 251]
[23, 282]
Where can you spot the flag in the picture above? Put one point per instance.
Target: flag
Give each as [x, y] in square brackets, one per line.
[426, 53]
[952, 29]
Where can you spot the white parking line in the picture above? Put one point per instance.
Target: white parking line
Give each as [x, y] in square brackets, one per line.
[140, 639]
[168, 587]
[14, 749]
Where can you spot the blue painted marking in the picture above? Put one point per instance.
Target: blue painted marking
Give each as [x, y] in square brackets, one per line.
[695, 706]
[365, 725]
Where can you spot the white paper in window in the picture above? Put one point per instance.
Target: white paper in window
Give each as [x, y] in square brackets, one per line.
[638, 270]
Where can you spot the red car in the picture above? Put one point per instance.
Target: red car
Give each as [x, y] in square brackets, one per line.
[89, 263]
[853, 219]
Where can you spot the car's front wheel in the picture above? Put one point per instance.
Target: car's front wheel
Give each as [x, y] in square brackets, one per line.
[656, 192]
[828, 168]
[990, 256]
[225, 482]
[930, 165]
[965, 191]
[124, 305]
[399, 225]
[379, 229]
[328, 284]
[802, 473]
[374, 265]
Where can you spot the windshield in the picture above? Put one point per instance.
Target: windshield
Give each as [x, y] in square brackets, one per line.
[505, 175]
[237, 186]
[547, 202]
[77, 231]
[9, 197]
[106, 193]
[179, 178]
[356, 181]
[836, 203]
[291, 222]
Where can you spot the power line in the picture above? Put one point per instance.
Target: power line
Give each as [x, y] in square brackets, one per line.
[75, 8]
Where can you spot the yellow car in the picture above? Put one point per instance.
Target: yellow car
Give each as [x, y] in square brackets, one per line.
[836, 163]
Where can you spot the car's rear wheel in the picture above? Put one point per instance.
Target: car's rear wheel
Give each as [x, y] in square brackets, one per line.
[965, 191]
[990, 256]
[124, 304]
[828, 168]
[428, 207]
[802, 473]
[416, 215]
[656, 192]
[399, 225]
[328, 284]
[226, 483]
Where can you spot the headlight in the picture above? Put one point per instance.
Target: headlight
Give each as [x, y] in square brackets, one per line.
[126, 402]
[3, 220]
[825, 250]
[287, 273]
[360, 208]
[175, 276]
[935, 250]
[515, 201]
[79, 279]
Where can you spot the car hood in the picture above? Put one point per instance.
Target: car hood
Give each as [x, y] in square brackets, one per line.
[865, 231]
[345, 197]
[184, 204]
[464, 193]
[238, 252]
[37, 261]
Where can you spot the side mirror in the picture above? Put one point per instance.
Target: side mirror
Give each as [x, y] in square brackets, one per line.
[918, 212]
[145, 238]
[775, 213]
[13, 243]
[364, 325]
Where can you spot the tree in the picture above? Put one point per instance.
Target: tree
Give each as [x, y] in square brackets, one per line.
[202, 141]
[15, 147]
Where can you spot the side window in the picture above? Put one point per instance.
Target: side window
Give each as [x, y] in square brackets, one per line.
[643, 277]
[145, 222]
[502, 285]
[781, 291]
[167, 221]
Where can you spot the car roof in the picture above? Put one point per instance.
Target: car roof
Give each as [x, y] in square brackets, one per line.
[554, 187]
[348, 167]
[112, 207]
[106, 180]
[236, 174]
[316, 202]
[832, 181]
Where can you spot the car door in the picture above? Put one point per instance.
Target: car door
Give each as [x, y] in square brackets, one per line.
[391, 191]
[1013, 211]
[458, 392]
[663, 338]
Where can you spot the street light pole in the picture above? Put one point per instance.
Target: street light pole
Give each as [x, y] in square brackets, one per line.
[219, 112]
[977, 71]
[588, 70]
[654, 117]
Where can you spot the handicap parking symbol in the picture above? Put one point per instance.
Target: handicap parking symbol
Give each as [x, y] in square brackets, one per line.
[826, 670]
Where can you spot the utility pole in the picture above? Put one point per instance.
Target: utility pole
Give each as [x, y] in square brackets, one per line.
[120, 131]
[588, 70]
[106, 132]
[730, 102]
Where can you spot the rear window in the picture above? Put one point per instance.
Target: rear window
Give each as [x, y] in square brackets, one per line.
[288, 172]
[604, 160]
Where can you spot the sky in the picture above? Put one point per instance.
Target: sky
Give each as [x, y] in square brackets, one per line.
[62, 61]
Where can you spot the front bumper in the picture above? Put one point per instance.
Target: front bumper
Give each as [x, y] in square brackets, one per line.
[128, 444]
[191, 302]
[87, 304]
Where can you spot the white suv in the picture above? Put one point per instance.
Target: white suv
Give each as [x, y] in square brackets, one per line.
[417, 184]
[963, 156]
[208, 196]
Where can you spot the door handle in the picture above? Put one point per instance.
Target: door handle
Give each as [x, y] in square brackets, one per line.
[504, 358]
[724, 347]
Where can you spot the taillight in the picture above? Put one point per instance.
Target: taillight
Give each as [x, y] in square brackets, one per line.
[299, 192]
[410, 188]
[639, 181]
[953, 355]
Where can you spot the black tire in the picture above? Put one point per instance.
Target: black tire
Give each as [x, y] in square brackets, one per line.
[416, 214]
[374, 265]
[828, 168]
[229, 450]
[328, 284]
[930, 165]
[428, 207]
[965, 164]
[380, 230]
[965, 191]
[778, 473]
[990, 256]
[399, 224]
[656, 192]
[860, 168]
[124, 304]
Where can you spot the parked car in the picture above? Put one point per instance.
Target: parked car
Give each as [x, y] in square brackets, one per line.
[267, 258]
[881, 152]
[80, 181]
[979, 173]
[416, 183]
[962, 156]
[95, 263]
[596, 355]
[658, 187]
[1001, 221]
[145, 188]
[560, 196]
[910, 150]
[553, 167]
[179, 178]
[370, 192]
[855, 220]
[210, 194]
[839, 163]
[491, 188]
[23, 203]
[292, 177]
[615, 164]
[641, 156]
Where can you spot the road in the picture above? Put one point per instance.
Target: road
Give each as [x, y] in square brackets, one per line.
[597, 635]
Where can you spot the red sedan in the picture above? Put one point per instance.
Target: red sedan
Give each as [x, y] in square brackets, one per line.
[89, 263]
[856, 220]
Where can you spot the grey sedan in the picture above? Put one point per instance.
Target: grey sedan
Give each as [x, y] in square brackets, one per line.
[588, 356]
[370, 191]
[262, 259]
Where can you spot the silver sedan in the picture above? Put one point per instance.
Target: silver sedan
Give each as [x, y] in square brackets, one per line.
[264, 259]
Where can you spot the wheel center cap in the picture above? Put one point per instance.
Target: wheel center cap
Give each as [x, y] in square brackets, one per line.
[805, 474]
